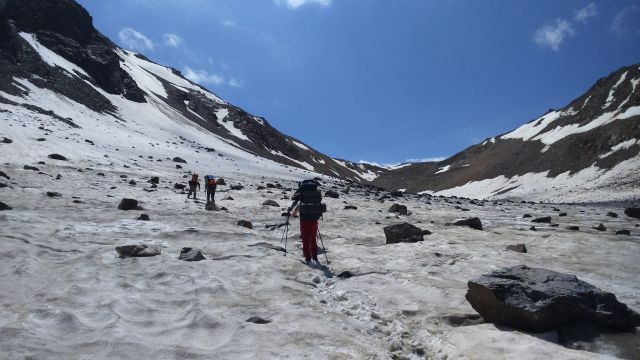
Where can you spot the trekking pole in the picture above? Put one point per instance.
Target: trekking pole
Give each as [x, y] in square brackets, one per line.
[286, 236]
[323, 248]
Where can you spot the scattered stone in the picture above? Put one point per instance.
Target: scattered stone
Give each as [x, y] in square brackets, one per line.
[32, 168]
[404, 232]
[132, 182]
[612, 214]
[623, 232]
[53, 194]
[397, 208]
[6, 140]
[573, 228]
[144, 217]
[179, 186]
[41, 139]
[236, 187]
[546, 219]
[633, 212]
[78, 202]
[123, 176]
[562, 214]
[59, 176]
[191, 254]
[100, 174]
[270, 203]
[129, 204]
[179, 160]
[533, 228]
[137, 251]
[331, 194]
[346, 274]
[473, 223]
[4, 207]
[155, 180]
[541, 300]
[258, 320]
[350, 207]
[57, 157]
[4, 175]
[600, 227]
[221, 181]
[396, 193]
[178, 167]
[245, 223]
[521, 248]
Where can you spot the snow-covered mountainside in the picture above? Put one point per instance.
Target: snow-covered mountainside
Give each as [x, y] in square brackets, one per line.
[586, 151]
[56, 68]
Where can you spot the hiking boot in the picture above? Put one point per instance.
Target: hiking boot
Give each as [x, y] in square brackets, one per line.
[307, 261]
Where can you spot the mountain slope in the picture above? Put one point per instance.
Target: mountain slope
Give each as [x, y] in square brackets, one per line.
[50, 50]
[587, 151]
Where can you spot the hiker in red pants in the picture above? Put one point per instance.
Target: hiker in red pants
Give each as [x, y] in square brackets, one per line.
[309, 202]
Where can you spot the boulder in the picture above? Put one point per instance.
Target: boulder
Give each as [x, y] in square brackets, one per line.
[6, 140]
[245, 223]
[600, 227]
[179, 186]
[623, 232]
[179, 160]
[221, 181]
[397, 208]
[155, 180]
[525, 216]
[541, 300]
[473, 223]
[191, 254]
[633, 212]
[270, 203]
[258, 320]
[132, 182]
[521, 248]
[57, 157]
[4, 207]
[573, 228]
[612, 214]
[129, 204]
[350, 207]
[4, 175]
[546, 219]
[137, 251]
[53, 194]
[404, 232]
[144, 217]
[32, 168]
[331, 194]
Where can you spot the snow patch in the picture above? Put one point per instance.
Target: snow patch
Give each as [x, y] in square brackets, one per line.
[623, 145]
[230, 125]
[611, 98]
[443, 169]
[51, 57]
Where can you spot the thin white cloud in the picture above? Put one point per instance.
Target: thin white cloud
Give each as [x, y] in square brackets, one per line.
[589, 11]
[552, 35]
[135, 40]
[294, 4]
[626, 22]
[229, 23]
[235, 83]
[172, 40]
[202, 76]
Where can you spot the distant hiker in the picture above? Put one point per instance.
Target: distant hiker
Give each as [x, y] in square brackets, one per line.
[210, 186]
[194, 185]
[309, 202]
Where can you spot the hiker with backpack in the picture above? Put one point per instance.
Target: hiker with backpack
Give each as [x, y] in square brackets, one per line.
[210, 186]
[194, 185]
[308, 200]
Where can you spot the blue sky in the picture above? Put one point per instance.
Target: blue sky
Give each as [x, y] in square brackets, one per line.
[384, 80]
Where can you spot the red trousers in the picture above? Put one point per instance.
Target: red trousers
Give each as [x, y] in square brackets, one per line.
[308, 233]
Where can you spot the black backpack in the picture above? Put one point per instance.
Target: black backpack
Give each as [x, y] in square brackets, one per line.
[311, 205]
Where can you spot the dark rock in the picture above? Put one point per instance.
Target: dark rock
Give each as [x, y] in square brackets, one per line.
[100, 174]
[6, 140]
[4, 175]
[123, 176]
[53, 194]
[396, 193]
[58, 177]
[521, 248]
[236, 187]
[155, 180]
[221, 181]
[540, 300]
[78, 202]
[228, 198]
[404, 232]
[473, 223]
[270, 203]
[144, 217]
[346, 274]
[179, 160]
[541, 220]
[612, 214]
[191, 254]
[32, 168]
[132, 182]
[573, 228]
[178, 167]
[137, 251]
[533, 228]
[331, 194]
[397, 208]
[41, 139]
[350, 207]
[623, 232]
[57, 157]
[600, 227]
[179, 186]
[129, 204]
[258, 320]
[562, 214]
[245, 223]
[4, 207]
[633, 212]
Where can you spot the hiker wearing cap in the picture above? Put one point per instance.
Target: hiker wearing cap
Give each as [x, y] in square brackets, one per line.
[210, 186]
[309, 202]
[194, 185]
